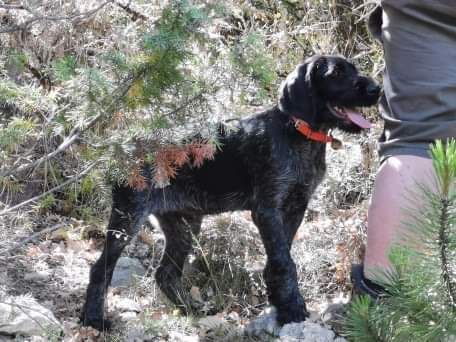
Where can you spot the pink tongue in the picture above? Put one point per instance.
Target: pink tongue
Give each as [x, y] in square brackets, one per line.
[357, 118]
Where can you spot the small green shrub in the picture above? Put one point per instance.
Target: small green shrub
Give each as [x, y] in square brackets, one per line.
[421, 286]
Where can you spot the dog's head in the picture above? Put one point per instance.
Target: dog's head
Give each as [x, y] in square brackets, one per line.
[325, 90]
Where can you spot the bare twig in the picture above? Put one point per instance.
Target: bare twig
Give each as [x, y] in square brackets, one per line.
[39, 17]
[134, 14]
[72, 137]
[36, 198]
[33, 237]
[13, 7]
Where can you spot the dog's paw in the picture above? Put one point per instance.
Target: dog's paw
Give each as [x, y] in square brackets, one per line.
[97, 323]
[290, 314]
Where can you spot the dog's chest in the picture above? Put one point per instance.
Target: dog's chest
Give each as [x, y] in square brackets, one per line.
[308, 164]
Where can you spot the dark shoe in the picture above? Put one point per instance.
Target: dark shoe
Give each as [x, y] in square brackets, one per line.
[364, 286]
[336, 314]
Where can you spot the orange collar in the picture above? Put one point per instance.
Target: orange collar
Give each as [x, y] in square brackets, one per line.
[305, 129]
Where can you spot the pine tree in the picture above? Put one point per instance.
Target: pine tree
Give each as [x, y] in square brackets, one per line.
[421, 286]
[121, 83]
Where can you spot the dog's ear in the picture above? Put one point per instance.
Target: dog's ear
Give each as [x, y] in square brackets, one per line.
[297, 94]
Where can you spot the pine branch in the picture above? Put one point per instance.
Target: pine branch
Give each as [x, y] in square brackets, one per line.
[444, 161]
[360, 326]
[443, 242]
[9, 109]
[77, 130]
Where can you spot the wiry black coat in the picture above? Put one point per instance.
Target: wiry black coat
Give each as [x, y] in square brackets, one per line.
[264, 166]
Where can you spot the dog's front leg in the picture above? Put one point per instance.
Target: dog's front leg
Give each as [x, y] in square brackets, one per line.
[280, 272]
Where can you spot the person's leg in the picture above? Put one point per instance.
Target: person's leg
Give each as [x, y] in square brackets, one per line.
[418, 107]
[397, 177]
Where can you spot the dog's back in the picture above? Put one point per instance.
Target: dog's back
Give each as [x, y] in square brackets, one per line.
[262, 154]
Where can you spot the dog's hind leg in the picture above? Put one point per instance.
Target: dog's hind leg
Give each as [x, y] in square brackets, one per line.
[179, 230]
[129, 210]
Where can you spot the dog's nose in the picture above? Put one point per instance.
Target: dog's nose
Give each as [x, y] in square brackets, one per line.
[373, 89]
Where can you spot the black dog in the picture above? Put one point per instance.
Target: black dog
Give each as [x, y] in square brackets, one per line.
[270, 165]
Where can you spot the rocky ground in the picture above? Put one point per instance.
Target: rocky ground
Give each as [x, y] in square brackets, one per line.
[42, 282]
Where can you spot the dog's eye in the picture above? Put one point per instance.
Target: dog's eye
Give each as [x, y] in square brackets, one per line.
[336, 73]
[321, 67]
